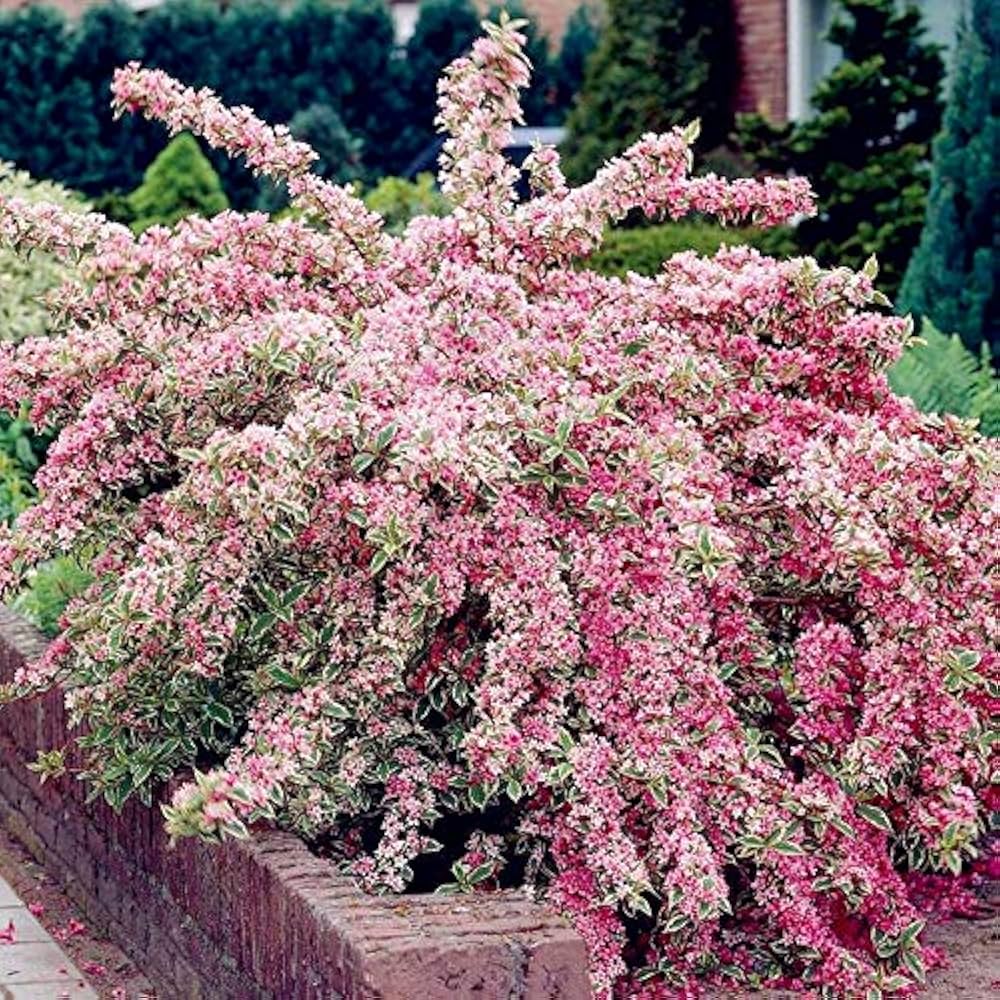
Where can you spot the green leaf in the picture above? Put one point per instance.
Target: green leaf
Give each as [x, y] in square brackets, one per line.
[479, 795]
[294, 593]
[576, 459]
[914, 964]
[838, 824]
[910, 934]
[219, 713]
[358, 518]
[284, 677]
[895, 983]
[875, 816]
[789, 849]
[141, 773]
[261, 625]
[691, 131]
[385, 436]
[362, 461]
[282, 532]
[236, 829]
[481, 873]
[240, 794]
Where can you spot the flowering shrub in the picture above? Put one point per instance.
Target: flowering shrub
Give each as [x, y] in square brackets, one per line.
[24, 282]
[650, 584]
[23, 286]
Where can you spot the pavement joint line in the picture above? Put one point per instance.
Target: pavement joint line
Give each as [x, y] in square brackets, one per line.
[34, 959]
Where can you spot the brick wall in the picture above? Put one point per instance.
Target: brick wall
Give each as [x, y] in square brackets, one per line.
[264, 919]
[763, 40]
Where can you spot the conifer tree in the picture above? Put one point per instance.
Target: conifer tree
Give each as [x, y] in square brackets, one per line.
[179, 182]
[579, 41]
[100, 153]
[951, 277]
[33, 56]
[444, 30]
[866, 146]
[657, 65]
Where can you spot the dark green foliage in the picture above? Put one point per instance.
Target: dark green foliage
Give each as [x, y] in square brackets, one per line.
[255, 60]
[104, 153]
[34, 52]
[644, 250]
[178, 183]
[866, 146]
[185, 38]
[339, 151]
[281, 59]
[371, 101]
[941, 376]
[581, 38]
[21, 453]
[952, 276]
[444, 30]
[657, 65]
[55, 116]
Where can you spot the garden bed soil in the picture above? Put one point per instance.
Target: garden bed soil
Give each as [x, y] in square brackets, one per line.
[266, 919]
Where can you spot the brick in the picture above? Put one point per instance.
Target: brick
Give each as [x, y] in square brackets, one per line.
[264, 919]
[763, 39]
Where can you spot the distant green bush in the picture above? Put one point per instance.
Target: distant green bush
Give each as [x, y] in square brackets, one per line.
[24, 282]
[16, 490]
[644, 250]
[278, 58]
[656, 65]
[398, 200]
[865, 148]
[941, 376]
[178, 183]
[50, 588]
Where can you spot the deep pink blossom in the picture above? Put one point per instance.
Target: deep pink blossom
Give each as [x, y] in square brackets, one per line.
[403, 528]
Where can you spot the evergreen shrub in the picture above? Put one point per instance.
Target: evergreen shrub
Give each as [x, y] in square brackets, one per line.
[867, 144]
[952, 276]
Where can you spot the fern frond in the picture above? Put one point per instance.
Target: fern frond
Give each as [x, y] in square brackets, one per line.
[941, 376]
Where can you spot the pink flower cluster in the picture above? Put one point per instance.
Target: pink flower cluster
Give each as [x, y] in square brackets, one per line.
[403, 529]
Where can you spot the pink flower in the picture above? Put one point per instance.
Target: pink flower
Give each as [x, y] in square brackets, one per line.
[652, 575]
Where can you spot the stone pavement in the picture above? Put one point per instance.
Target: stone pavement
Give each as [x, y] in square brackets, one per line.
[33, 966]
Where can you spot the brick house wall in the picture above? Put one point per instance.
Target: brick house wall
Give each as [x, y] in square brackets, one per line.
[763, 48]
[762, 30]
